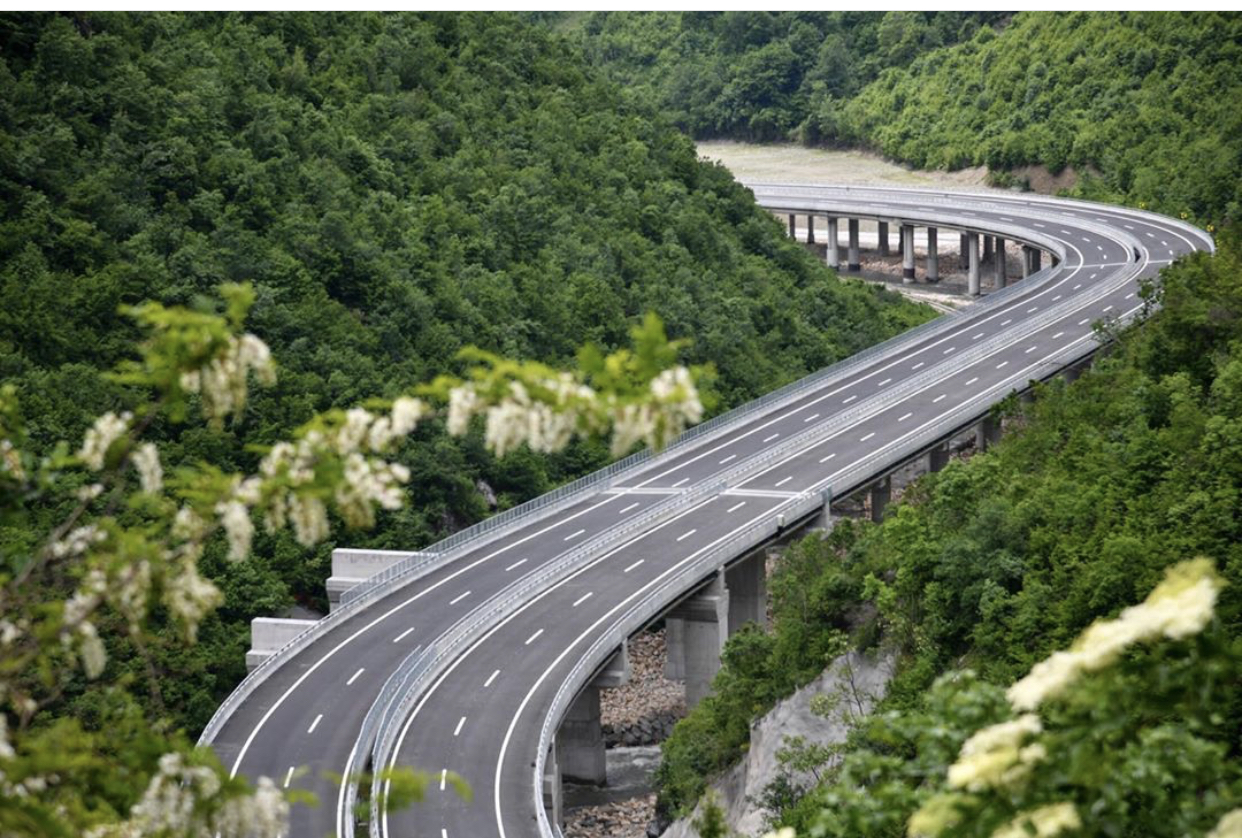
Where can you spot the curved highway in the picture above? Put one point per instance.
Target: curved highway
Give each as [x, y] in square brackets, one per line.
[485, 713]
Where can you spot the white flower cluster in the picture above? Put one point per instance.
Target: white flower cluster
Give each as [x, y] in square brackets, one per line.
[995, 756]
[238, 528]
[100, 436]
[1180, 606]
[783, 832]
[11, 461]
[179, 801]
[676, 404]
[1230, 826]
[222, 383]
[191, 597]
[77, 542]
[368, 481]
[1044, 822]
[77, 627]
[146, 461]
[6, 748]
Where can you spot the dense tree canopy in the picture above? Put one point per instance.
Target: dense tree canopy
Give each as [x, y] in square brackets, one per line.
[396, 187]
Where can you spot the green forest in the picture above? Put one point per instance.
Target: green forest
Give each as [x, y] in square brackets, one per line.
[986, 567]
[396, 188]
[1143, 105]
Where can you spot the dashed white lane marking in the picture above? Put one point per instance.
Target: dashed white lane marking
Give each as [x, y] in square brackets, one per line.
[916, 366]
[679, 482]
[289, 776]
[1163, 242]
[520, 562]
[850, 399]
[770, 438]
[628, 508]
[1108, 308]
[1037, 224]
[938, 398]
[1005, 218]
[1057, 335]
[905, 417]
[1084, 321]
[1068, 233]
[1007, 322]
[631, 567]
[1150, 234]
[867, 437]
[443, 777]
[1030, 349]
[811, 418]
[314, 724]
[728, 458]
[491, 678]
[1057, 297]
[533, 638]
[686, 535]
[1130, 296]
[950, 349]
[976, 337]
[583, 598]
[1084, 238]
[403, 635]
[574, 535]
[783, 481]
[972, 381]
[885, 381]
[1171, 252]
[1032, 309]
[826, 459]
[735, 507]
[443, 833]
[1002, 364]
[1099, 248]
[459, 598]
[457, 730]
[354, 677]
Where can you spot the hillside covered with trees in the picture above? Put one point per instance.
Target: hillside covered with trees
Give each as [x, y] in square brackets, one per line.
[1143, 105]
[395, 187]
[989, 566]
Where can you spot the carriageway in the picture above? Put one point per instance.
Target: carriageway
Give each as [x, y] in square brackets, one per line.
[470, 656]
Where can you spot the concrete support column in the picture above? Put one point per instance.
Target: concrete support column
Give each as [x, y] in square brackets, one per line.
[580, 741]
[999, 263]
[987, 433]
[1071, 374]
[963, 260]
[747, 583]
[854, 263]
[810, 229]
[907, 254]
[883, 238]
[972, 262]
[833, 254]
[552, 796]
[938, 458]
[933, 258]
[987, 248]
[696, 634]
[792, 224]
[881, 493]
[1037, 260]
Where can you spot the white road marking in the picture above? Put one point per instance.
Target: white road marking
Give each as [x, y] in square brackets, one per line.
[772, 437]
[491, 678]
[1150, 234]
[728, 458]
[850, 399]
[1007, 322]
[783, 481]
[1108, 308]
[1037, 224]
[1163, 242]
[885, 381]
[1130, 296]
[972, 381]
[867, 437]
[457, 730]
[938, 398]
[950, 349]
[735, 507]
[916, 366]
[354, 677]
[686, 535]
[1032, 309]
[459, 598]
[679, 482]
[826, 459]
[403, 635]
[1057, 297]
[1128, 226]
[1002, 364]
[583, 598]
[521, 562]
[1171, 252]
[314, 724]
[628, 508]
[811, 418]
[905, 417]
[1084, 321]
[1057, 335]
[443, 777]
[631, 567]
[574, 535]
[976, 337]
[1031, 349]
[289, 776]
[533, 637]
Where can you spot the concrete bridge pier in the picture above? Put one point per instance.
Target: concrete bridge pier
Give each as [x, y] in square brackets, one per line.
[747, 585]
[963, 260]
[552, 796]
[792, 225]
[998, 264]
[854, 262]
[987, 433]
[1031, 260]
[810, 229]
[580, 739]
[938, 458]
[987, 248]
[933, 258]
[881, 494]
[833, 253]
[883, 233]
[972, 262]
[907, 254]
